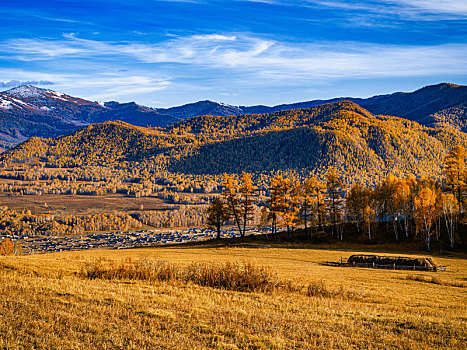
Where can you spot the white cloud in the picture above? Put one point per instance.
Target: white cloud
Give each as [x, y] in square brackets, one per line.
[33, 49]
[213, 37]
[407, 8]
[14, 83]
[96, 87]
[112, 86]
[435, 6]
[187, 65]
[9, 74]
[258, 56]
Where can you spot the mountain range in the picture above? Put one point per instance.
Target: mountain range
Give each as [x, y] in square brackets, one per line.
[28, 111]
[343, 134]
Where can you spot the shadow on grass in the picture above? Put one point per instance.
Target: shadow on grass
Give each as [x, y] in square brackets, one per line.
[320, 241]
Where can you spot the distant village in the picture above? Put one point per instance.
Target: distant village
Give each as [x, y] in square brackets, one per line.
[120, 239]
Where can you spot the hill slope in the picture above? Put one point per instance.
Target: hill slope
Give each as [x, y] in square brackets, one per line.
[28, 111]
[435, 105]
[423, 105]
[340, 134]
[202, 108]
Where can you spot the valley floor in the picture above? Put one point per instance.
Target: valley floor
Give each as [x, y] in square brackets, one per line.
[46, 304]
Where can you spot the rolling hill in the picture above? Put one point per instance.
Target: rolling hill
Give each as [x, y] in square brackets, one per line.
[424, 106]
[435, 105]
[28, 111]
[340, 134]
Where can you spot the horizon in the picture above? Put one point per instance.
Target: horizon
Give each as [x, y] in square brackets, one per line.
[242, 105]
[241, 53]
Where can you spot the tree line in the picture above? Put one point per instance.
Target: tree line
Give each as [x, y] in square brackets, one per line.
[24, 223]
[412, 207]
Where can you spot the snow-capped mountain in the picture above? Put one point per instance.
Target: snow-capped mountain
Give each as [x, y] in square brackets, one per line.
[27, 111]
[31, 100]
[202, 108]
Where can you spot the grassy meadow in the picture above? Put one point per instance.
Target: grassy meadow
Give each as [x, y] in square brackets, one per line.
[47, 303]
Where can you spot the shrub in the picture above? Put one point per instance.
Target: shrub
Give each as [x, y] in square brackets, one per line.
[228, 276]
[318, 289]
[7, 247]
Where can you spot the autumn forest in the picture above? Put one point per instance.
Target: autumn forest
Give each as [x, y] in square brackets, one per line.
[333, 170]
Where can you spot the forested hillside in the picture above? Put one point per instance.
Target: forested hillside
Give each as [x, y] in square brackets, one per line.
[420, 105]
[342, 134]
[434, 105]
[27, 111]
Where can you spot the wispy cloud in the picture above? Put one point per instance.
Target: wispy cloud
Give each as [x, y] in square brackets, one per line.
[186, 68]
[259, 57]
[99, 86]
[111, 87]
[36, 49]
[262, 51]
[418, 9]
[15, 83]
[214, 37]
[458, 7]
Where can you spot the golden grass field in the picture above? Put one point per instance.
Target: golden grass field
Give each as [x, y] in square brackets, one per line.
[45, 304]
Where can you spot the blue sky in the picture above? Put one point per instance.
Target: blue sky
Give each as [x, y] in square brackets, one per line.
[165, 53]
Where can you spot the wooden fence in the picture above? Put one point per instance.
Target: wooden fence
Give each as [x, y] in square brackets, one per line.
[393, 266]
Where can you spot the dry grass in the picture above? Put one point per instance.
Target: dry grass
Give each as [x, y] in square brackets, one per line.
[245, 277]
[47, 304]
[437, 280]
[228, 276]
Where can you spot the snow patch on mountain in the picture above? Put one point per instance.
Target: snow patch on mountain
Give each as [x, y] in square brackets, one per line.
[4, 104]
[26, 91]
[58, 96]
[20, 102]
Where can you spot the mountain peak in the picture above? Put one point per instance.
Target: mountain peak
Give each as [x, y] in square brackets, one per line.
[26, 91]
[440, 86]
[449, 85]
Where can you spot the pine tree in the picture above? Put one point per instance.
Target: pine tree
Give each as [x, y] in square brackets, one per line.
[454, 171]
[217, 214]
[307, 199]
[313, 201]
[425, 213]
[291, 189]
[335, 194]
[231, 197]
[246, 206]
[276, 201]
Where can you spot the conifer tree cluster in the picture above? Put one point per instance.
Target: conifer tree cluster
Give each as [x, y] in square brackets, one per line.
[421, 208]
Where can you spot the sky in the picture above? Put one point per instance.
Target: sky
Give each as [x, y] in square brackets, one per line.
[167, 53]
